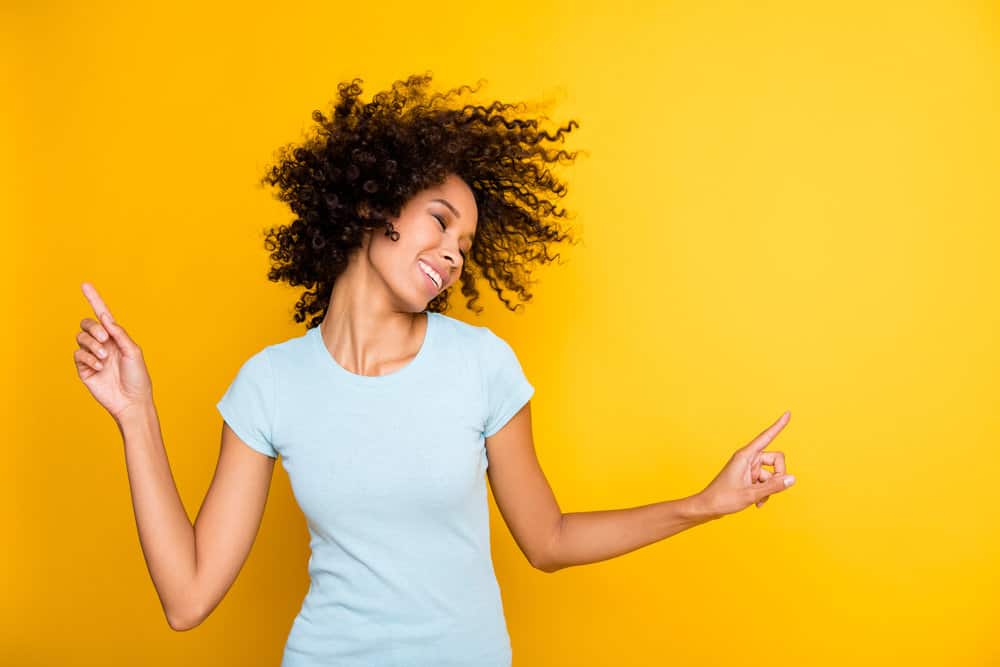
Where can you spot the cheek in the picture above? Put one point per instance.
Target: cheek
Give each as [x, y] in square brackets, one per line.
[398, 259]
[416, 235]
[384, 247]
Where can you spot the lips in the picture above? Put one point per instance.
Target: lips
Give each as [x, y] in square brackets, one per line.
[427, 279]
[437, 269]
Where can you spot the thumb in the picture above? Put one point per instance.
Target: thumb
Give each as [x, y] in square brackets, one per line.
[775, 484]
[125, 343]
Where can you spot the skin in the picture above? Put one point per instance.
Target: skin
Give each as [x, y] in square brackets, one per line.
[375, 322]
[374, 325]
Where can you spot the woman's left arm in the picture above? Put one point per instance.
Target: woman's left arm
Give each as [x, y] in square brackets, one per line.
[552, 540]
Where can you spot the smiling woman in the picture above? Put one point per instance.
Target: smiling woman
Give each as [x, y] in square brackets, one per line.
[387, 414]
[372, 166]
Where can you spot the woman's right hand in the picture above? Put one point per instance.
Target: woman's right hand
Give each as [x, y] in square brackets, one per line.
[118, 379]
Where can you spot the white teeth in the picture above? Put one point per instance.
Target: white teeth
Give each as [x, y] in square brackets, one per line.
[431, 272]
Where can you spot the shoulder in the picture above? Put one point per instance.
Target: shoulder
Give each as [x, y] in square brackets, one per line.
[288, 350]
[265, 365]
[459, 331]
[480, 338]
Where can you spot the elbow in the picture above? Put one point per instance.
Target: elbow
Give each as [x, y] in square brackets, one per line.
[545, 563]
[546, 567]
[187, 610]
[184, 621]
[180, 624]
[549, 562]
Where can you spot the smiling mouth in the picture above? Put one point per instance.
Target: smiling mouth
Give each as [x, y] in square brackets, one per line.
[421, 266]
[430, 281]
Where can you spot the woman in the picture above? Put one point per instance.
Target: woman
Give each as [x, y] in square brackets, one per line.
[387, 413]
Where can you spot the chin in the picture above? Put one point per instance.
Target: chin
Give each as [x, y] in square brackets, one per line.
[416, 306]
[420, 304]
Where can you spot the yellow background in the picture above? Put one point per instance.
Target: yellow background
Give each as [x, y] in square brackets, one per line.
[785, 205]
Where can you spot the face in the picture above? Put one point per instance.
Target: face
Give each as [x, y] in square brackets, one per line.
[436, 228]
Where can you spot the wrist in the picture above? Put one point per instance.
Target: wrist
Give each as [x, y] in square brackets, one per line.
[702, 509]
[136, 413]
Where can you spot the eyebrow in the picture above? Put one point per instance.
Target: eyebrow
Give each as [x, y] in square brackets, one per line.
[448, 204]
[453, 210]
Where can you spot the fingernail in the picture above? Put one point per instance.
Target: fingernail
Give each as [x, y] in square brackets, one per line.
[789, 480]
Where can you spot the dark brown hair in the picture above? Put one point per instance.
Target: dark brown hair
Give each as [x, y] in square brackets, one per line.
[364, 161]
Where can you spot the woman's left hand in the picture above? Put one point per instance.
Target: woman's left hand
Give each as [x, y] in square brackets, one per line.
[743, 481]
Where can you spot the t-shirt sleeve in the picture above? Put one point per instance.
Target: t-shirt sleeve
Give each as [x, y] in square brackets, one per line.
[504, 384]
[248, 404]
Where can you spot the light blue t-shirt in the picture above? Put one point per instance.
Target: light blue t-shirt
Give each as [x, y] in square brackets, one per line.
[390, 474]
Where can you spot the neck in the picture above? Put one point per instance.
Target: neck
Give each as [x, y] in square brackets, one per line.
[361, 329]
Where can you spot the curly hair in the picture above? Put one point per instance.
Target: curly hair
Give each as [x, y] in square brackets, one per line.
[365, 161]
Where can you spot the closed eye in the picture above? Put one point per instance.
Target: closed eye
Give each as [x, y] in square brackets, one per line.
[441, 222]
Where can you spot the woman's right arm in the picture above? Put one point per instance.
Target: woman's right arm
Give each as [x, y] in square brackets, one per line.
[192, 566]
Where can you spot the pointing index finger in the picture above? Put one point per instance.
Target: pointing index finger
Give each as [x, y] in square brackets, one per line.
[762, 440]
[96, 302]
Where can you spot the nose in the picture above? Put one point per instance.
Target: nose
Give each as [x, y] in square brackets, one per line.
[450, 262]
